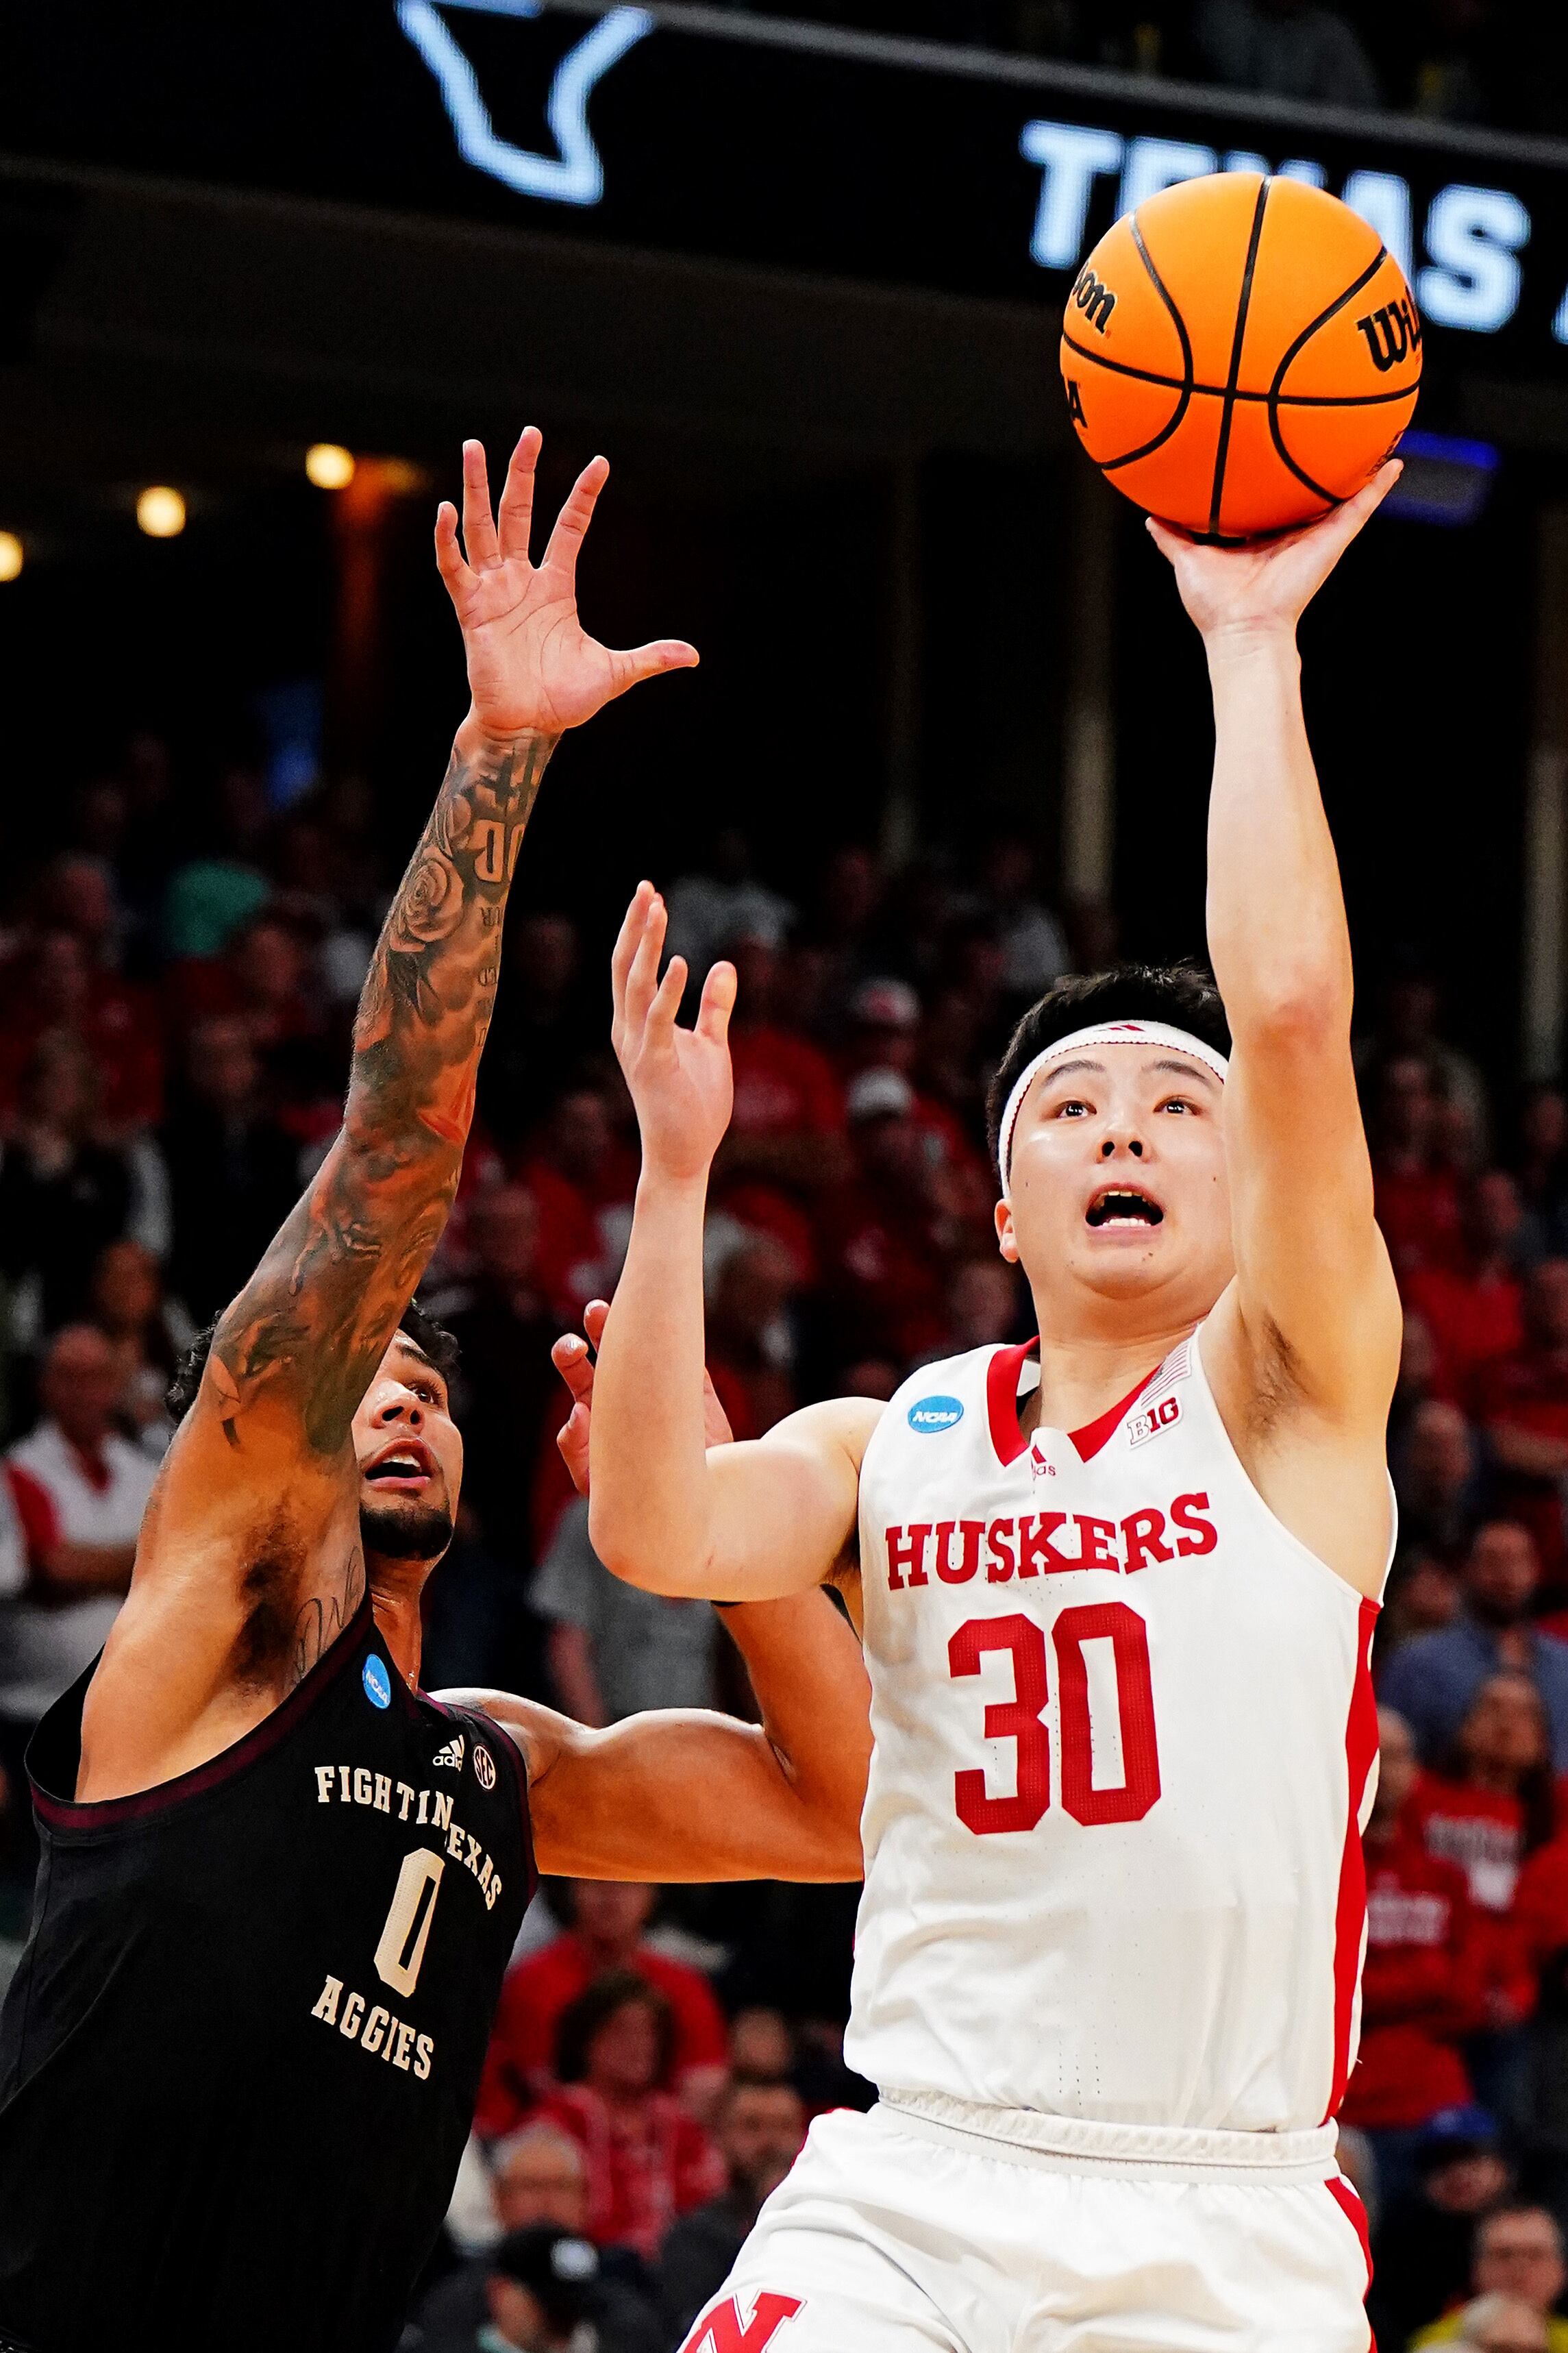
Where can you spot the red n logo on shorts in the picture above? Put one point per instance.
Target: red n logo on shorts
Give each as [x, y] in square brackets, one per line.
[720, 2331]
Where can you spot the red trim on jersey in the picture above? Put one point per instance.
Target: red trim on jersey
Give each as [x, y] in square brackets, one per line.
[1002, 1400]
[1350, 1917]
[1350, 2205]
[1002, 1406]
[1094, 1434]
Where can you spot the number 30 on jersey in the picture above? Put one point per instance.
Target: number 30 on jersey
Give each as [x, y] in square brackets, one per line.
[1019, 1719]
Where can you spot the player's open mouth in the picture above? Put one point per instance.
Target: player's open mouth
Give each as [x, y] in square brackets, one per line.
[1115, 1207]
[407, 1466]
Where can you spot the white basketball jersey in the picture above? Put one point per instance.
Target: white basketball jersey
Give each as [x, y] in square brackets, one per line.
[1125, 1740]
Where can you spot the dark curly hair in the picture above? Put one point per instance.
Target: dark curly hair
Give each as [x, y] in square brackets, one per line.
[432, 1340]
[581, 2021]
[1183, 995]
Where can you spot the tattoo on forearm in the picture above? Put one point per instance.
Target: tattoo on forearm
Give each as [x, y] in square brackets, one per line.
[316, 1317]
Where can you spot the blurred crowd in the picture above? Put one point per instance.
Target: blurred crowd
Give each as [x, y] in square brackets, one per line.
[180, 986]
[1498, 62]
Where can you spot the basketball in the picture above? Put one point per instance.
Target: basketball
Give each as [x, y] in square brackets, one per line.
[1240, 354]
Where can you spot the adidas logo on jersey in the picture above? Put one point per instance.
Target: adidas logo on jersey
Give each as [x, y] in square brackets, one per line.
[452, 1755]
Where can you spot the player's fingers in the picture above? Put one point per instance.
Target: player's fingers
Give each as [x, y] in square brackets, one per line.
[652, 660]
[515, 513]
[571, 1438]
[718, 1004]
[595, 1315]
[479, 526]
[571, 1360]
[448, 555]
[572, 523]
[642, 980]
[626, 940]
[1169, 543]
[667, 997]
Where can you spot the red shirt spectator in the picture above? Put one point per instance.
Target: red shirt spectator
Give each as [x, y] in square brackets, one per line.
[882, 1230]
[1421, 1983]
[647, 2159]
[1475, 1309]
[53, 988]
[1417, 1200]
[578, 1170]
[788, 1119]
[1522, 1402]
[605, 1937]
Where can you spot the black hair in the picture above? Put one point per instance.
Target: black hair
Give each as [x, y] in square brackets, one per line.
[432, 1340]
[1182, 995]
[581, 2021]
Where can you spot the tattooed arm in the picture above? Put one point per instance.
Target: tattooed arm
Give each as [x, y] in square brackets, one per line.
[249, 1560]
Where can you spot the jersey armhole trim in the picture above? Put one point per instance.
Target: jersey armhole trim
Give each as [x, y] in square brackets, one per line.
[85, 1815]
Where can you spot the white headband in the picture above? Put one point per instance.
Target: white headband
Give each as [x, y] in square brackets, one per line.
[1100, 1033]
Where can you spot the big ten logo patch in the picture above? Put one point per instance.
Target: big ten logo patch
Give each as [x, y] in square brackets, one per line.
[1140, 1426]
[722, 2330]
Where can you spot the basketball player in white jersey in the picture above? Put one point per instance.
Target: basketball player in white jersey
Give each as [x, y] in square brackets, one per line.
[1117, 1592]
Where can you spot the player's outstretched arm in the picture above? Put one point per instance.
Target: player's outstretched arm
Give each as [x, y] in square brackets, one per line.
[684, 1794]
[269, 1433]
[1309, 1335]
[748, 1521]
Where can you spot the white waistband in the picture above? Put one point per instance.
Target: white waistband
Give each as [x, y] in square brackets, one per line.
[1078, 2144]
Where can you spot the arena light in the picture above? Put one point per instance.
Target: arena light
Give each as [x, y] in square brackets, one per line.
[329, 466]
[10, 555]
[160, 512]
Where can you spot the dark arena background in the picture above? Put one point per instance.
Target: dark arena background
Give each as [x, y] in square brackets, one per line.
[802, 282]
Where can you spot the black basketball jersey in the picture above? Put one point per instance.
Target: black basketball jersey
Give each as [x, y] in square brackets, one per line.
[240, 2054]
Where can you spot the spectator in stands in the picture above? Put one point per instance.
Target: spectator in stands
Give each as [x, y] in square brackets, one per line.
[539, 2290]
[1474, 1308]
[649, 2160]
[722, 901]
[612, 1648]
[788, 1123]
[1422, 1984]
[234, 1173]
[539, 2174]
[1423, 2253]
[64, 1193]
[60, 984]
[1033, 950]
[148, 1334]
[508, 1388]
[582, 1176]
[1284, 49]
[1417, 1198]
[882, 1254]
[1435, 1476]
[544, 1024]
[1433, 1679]
[1543, 1172]
[1518, 2256]
[79, 1490]
[751, 1346]
[760, 2128]
[1522, 1402]
[1501, 2323]
[1493, 1804]
[605, 1938]
[982, 1305]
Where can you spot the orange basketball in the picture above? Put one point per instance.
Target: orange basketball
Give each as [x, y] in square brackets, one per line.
[1240, 354]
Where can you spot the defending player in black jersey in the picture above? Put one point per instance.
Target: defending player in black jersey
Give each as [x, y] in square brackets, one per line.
[279, 1885]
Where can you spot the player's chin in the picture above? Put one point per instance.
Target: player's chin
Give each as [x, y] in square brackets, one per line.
[404, 1527]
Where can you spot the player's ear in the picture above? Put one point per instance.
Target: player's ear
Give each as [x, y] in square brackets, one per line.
[1007, 1239]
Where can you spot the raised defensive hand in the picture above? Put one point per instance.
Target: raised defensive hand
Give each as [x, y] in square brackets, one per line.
[573, 1361]
[531, 666]
[1265, 588]
[679, 1079]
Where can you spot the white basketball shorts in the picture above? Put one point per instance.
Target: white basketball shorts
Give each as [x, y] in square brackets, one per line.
[897, 2234]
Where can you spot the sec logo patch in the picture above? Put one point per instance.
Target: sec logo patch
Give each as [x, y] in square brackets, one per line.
[377, 1682]
[484, 1766]
[929, 1414]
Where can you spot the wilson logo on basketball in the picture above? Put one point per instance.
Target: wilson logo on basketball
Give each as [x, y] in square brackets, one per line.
[1094, 299]
[1391, 333]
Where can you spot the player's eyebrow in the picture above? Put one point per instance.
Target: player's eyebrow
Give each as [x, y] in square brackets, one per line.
[1187, 1070]
[412, 1348]
[1066, 1070]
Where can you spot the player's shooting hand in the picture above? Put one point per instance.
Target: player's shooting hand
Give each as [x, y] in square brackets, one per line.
[679, 1079]
[572, 1358]
[1262, 590]
[533, 669]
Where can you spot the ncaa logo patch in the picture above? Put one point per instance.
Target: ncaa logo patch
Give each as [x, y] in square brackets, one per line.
[931, 1415]
[377, 1681]
[484, 1766]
